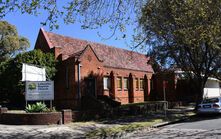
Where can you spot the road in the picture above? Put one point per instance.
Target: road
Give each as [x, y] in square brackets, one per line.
[198, 128]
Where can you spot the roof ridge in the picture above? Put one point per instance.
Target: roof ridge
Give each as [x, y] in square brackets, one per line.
[46, 37]
[95, 43]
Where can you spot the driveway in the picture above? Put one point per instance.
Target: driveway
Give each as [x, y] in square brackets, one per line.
[197, 128]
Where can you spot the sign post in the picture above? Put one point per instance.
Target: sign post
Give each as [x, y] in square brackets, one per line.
[164, 97]
[36, 86]
[39, 90]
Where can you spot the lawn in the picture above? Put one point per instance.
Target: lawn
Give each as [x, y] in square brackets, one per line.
[121, 126]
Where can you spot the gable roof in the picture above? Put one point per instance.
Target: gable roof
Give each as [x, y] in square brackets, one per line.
[110, 56]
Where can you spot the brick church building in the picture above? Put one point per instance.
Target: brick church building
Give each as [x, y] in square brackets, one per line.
[92, 69]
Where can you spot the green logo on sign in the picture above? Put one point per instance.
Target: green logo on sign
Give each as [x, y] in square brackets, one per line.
[32, 86]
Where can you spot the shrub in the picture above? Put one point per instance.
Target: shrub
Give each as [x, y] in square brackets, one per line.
[10, 74]
[38, 107]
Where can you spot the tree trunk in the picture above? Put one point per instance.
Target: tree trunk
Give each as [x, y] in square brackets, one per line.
[199, 98]
[201, 85]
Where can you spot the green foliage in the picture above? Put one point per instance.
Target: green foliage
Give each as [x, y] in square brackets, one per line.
[115, 14]
[37, 57]
[38, 107]
[10, 42]
[10, 71]
[185, 33]
[118, 131]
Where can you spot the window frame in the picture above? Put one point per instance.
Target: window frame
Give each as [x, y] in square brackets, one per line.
[141, 87]
[108, 84]
[119, 80]
[137, 84]
[126, 83]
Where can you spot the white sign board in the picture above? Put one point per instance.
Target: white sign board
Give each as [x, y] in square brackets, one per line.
[39, 90]
[33, 73]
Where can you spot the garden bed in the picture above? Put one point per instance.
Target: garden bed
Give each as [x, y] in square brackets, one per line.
[22, 118]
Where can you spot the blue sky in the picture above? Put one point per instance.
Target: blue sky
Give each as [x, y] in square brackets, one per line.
[28, 26]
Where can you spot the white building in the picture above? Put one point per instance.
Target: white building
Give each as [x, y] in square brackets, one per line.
[212, 88]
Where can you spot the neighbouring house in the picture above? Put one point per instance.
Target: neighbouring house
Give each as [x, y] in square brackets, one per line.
[179, 88]
[92, 69]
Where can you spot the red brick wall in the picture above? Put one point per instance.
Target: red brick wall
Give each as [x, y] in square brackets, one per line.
[91, 66]
[65, 91]
[66, 116]
[176, 89]
[170, 86]
[123, 95]
[31, 118]
[41, 43]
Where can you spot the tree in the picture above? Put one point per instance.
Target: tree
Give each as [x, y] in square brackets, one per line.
[186, 33]
[10, 71]
[90, 13]
[10, 42]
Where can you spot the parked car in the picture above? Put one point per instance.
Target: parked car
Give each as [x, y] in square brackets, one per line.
[210, 105]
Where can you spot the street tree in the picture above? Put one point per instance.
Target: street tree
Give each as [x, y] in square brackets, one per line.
[10, 42]
[185, 33]
[115, 14]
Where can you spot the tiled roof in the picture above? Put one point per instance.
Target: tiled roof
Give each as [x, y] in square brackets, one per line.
[111, 56]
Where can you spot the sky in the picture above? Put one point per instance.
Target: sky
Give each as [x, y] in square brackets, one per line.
[28, 26]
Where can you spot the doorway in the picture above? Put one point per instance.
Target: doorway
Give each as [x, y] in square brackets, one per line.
[90, 86]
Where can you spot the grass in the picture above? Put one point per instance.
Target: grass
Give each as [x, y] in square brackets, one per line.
[82, 124]
[112, 131]
[118, 130]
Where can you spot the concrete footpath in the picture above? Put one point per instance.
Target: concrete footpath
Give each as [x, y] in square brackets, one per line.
[69, 131]
[47, 132]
